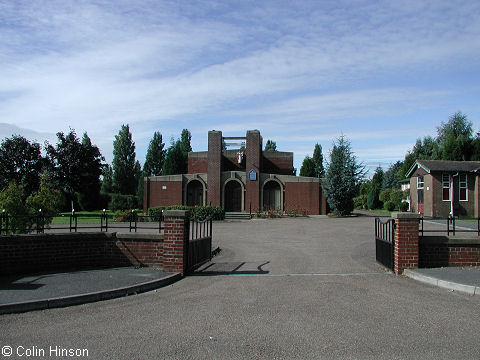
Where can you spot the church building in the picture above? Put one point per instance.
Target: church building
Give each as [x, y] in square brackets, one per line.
[239, 180]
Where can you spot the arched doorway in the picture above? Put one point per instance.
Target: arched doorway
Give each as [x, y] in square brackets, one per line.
[233, 196]
[194, 193]
[272, 198]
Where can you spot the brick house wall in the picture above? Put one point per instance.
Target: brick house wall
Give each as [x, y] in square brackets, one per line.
[214, 168]
[253, 162]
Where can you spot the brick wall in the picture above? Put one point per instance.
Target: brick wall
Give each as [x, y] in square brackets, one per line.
[197, 164]
[253, 154]
[59, 252]
[304, 195]
[165, 193]
[441, 251]
[275, 162]
[214, 168]
[406, 241]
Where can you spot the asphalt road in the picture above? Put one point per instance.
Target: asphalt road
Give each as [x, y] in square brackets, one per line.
[280, 289]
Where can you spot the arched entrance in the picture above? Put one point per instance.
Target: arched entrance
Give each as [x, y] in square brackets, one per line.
[194, 193]
[233, 196]
[272, 196]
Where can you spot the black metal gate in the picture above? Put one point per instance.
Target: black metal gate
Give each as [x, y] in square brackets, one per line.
[200, 243]
[384, 242]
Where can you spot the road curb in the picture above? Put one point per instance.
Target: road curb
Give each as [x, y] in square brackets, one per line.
[79, 299]
[468, 289]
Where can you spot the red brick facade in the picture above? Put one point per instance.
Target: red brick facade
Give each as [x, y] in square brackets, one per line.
[237, 180]
[163, 193]
[303, 195]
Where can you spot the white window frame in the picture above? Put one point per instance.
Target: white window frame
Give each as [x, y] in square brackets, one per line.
[465, 186]
[420, 184]
[447, 187]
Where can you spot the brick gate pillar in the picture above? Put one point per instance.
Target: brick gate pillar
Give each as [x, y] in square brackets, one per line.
[175, 240]
[406, 241]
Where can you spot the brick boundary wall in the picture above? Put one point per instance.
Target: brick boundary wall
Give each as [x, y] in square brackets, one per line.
[412, 251]
[441, 251]
[23, 254]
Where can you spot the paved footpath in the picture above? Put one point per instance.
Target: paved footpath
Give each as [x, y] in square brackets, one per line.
[306, 288]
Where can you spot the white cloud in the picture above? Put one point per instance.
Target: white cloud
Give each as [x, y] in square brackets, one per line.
[303, 71]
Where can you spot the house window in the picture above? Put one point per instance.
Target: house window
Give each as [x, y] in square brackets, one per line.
[446, 187]
[420, 182]
[462, 184]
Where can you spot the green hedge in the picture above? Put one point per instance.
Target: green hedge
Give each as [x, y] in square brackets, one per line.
[196, 213]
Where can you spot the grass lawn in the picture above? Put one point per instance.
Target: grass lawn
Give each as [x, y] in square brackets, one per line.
[86, 217]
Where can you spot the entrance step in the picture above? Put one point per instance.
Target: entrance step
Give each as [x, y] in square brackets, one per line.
[237, 216]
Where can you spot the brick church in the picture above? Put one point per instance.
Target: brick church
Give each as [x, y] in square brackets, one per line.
[237, 180]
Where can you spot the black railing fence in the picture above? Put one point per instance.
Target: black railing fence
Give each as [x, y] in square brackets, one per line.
[384, 242]
[103, 222]
[200, 243]
[451, 226]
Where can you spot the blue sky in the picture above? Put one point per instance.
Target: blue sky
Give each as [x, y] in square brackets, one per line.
[382, 73]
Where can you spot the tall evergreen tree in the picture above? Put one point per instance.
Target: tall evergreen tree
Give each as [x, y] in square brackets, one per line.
[124, 178]
[270, 145]
[175, 160]
[344, 175]
[21, 162]
[318, 160]
[155, 156]
[186, 138]
[308, 167]
[107, 181]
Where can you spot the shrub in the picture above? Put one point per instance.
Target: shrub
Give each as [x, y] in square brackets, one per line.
[196, 213]
[360, 202]
[385, 195]
[403, 206]
[122, 202]
[372, 200]
[202, 212]
[396, 197]
[389, 205]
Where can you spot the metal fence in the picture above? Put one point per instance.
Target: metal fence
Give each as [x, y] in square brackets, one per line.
[384, 242]
[39, 223]
[200, 243]
[451, 226]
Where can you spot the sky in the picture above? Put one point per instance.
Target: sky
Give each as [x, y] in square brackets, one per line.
[380, 73]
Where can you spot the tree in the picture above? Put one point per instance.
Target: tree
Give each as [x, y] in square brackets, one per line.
[308, 167]
[155, 156]
[76, 167]
[390, 178]
[455, 138]
[318, 160]
[139, 180]
[124, 177]
[186, 137]
[270, 145]
[175, 160]
[344, 175]
[373, 201]
[20, 162]
[107, 181]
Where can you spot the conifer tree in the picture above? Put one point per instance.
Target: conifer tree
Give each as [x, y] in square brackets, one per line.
[344, 174]
[124, 177]
[318, 160]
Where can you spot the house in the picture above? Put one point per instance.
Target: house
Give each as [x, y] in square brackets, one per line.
[441, 188]
[405, 185]
[239, 180]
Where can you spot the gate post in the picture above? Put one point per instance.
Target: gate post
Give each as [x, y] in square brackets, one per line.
[175, 240]
[406, 241]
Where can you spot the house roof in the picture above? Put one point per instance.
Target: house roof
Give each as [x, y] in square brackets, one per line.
[444, 165]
